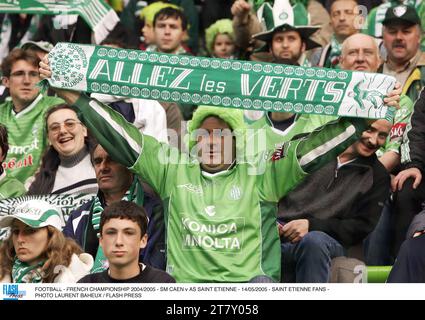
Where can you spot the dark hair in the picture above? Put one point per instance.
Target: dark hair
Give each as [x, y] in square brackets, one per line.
[125, 210]
[46, 175]
[92, 150]
[170, 12]
[16, 55]
[4, 145]
[114, 41]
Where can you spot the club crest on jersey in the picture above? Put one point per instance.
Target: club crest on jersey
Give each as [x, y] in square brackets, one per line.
[210, 211]
[235, 193]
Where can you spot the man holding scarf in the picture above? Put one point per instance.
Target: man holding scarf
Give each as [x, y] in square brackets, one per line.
[221, 211]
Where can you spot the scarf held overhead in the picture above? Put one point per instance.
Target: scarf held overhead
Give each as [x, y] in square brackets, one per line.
[99, 15]
[220, 82]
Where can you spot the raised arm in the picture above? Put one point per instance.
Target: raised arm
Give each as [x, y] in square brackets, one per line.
[290, 164]
[120, 139]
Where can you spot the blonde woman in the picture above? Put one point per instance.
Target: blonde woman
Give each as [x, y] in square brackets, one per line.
[36, 250]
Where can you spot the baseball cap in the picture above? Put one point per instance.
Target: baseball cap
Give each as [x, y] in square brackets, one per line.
[401, 13]
[42, 45]
[36, 214]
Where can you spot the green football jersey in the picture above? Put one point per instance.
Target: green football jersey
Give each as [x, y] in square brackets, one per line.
[27, 136]
[219, 227]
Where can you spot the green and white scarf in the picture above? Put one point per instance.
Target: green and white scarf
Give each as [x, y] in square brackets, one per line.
[6, 32]
[219, 82]
[24, 273]
[134, 194]
[333, 59]
[97, 13]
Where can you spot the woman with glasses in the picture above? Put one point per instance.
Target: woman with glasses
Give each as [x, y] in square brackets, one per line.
[66, 167]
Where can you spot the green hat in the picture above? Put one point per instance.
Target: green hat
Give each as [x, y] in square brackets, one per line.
[219, 27]
[42, 45]
[401, 13]
[285, 18]
[36, 214]
[233, 118]
[148, 13]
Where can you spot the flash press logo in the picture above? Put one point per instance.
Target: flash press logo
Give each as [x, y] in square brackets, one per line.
[11, 292]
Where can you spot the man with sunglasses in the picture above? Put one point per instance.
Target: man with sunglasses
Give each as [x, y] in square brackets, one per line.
[23, 114]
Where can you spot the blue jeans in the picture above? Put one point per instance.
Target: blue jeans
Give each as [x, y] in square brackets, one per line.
[309, 260]
[377, 244]
[261, 279]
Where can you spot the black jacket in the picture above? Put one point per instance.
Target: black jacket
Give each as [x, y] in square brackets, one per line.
[413, 147]
[344, 203]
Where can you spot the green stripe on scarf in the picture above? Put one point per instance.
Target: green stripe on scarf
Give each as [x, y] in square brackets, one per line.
[333, 60]
[97, 13]
[24, 273]
[219, 82]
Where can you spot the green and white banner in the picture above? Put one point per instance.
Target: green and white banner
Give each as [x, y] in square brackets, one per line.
[66, 202]
[97, 13]
[219, 82]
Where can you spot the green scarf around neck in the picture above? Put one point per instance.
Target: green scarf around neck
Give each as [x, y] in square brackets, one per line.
[24, 273]
[333, 59]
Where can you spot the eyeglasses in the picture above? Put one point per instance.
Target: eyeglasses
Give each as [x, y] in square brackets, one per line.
[68, 124]
[21, 74]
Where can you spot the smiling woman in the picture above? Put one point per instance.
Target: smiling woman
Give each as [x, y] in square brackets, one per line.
[66, 165]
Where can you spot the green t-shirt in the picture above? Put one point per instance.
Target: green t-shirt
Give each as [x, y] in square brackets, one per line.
[27, 136]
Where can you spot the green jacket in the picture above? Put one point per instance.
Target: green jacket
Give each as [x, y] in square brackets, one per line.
[27, 136]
